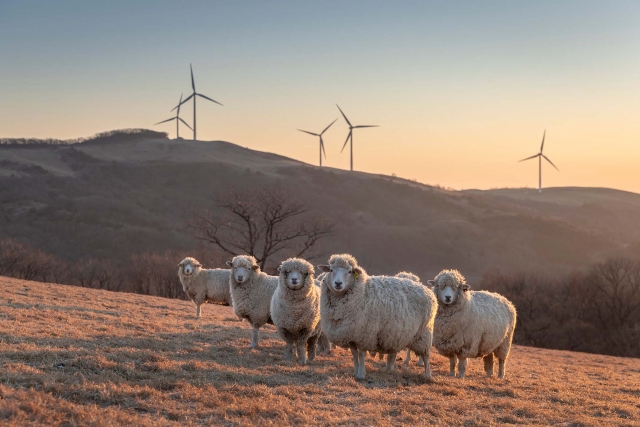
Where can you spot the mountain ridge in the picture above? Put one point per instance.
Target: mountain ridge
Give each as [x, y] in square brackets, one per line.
[106, 200]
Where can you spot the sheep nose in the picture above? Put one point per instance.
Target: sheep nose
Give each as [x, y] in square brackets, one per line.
[338, 283]
[240, 277]
[294, 281]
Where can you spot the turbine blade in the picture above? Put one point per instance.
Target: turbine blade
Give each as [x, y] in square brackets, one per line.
[325, 129]
[206, 97]
[310, 133]
[168, 120]
[547, 159]
[366, 126]
[185, 100]
[185, 123]
[543, 135]
[179, 104]
[345, 117]
[322, 145]
[528, 158]
[345, 143]
[193, 83]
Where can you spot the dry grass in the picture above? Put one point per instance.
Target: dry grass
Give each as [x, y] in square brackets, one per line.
[72, 356]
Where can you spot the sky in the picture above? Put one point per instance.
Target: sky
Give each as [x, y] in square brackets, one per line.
[461, 90]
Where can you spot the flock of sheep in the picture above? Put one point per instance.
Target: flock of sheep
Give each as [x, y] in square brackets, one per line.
[346, 307]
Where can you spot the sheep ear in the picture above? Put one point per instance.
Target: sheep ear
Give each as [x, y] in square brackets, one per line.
[324, 268]
[279, 270]
[356, 272]
[229, 264]
[465, 287]
[255, 268]
[180, 265]
[431, 282]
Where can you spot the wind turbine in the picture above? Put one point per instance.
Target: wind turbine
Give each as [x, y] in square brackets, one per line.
[177, 119]
[193, 95]
[321, 141]
[540, 156]
[351, 128]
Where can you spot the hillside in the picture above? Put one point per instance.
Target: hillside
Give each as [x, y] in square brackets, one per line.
[74, 356]
[113, 199]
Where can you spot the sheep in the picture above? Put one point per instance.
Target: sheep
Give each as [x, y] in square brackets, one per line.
[204, 285]
[295, 308]
[415, 278]
[375, 313]
[251, 292]
[471, 324]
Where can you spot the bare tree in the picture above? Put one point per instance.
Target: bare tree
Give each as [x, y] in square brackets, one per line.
[261, 223]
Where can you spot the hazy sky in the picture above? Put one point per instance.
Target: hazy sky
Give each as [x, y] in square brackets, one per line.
[461, 90]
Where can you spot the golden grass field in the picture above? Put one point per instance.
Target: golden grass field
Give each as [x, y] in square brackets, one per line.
[74, 356]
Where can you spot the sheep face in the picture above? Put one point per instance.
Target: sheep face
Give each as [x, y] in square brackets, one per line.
[340, 278]
[294, 273]
[294, 279]
[188, 266]
[448, 286]
[242, 268]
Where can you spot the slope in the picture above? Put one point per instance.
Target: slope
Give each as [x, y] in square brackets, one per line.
[74, 356]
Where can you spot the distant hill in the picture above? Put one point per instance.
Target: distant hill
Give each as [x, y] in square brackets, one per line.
[128, 196]
[73, 356]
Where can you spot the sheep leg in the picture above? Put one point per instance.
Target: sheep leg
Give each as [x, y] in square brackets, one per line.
[255, 338]
[356, 361]
[302, 357]
[501, 363]
[427, 364]
[462, 366]
[197, 311]
[407, 357]
[452, 366]
[288, 350]
[324, 346]
[361, 370]
[311, 347]
[391, 361]
[420, 361]
[488, 364]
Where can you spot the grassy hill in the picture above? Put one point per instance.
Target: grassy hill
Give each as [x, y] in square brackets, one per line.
[73, 356]
[127, 196]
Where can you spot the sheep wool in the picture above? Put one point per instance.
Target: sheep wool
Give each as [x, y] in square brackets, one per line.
[204, 285]
[375, 313]
[295, 308]
[251, 292]
[471, 324]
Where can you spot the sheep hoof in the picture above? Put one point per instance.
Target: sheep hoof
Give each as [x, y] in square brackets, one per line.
[489, 374]
[359, 377]
[452, 374]
[420, 362]
[461, 376]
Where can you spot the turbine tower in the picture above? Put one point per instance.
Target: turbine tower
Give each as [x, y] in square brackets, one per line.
[321, 141]
[540, 156]
[350, 136]
[194, 95]
[177, 119]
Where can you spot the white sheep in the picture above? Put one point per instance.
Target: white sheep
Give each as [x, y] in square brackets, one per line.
[251, 292]
[295, 308]
[415, 278]
[375, 313]
[471, 324]
[204, 285]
